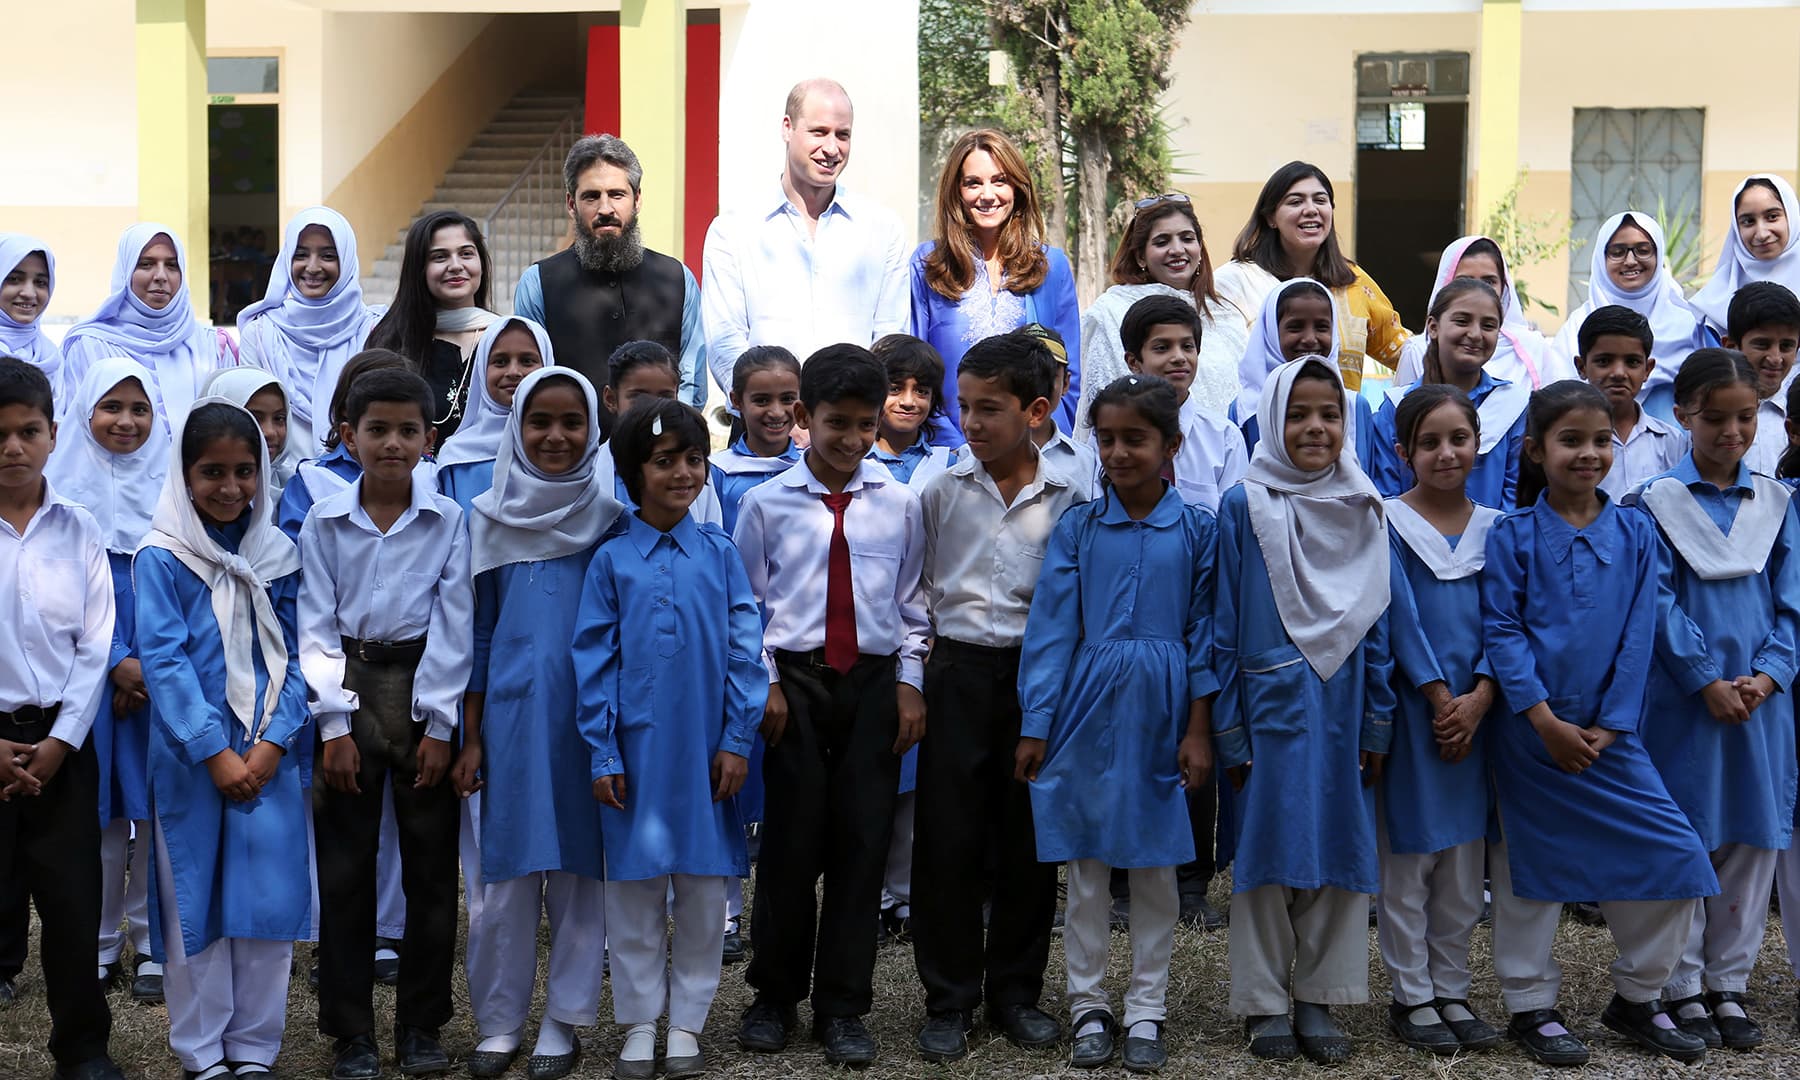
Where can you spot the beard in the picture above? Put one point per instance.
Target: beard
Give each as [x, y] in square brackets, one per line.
[609, 254]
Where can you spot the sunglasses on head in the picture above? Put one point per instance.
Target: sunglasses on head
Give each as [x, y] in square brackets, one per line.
[1171, 196]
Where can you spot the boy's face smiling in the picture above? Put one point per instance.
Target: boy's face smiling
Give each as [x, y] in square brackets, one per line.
[1169, 352]
[389, 440]
[26, 438]
[1770, 350]
[1617, 366]
[842, 433]
[994, 420]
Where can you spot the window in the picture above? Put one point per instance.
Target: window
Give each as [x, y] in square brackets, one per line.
[1631, 159]
[243, 75]
[1396, 126]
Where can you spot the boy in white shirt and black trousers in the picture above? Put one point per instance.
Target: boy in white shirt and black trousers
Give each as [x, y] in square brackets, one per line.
[386, 638]
[56, 624]
[833, 547]
[987, 522]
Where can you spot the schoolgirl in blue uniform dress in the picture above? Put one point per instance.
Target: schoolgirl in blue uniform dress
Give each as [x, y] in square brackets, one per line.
[1298, 319]
[112, 457]
[530, 538]
[1464, 325]
[1568, 601]
[509, 350]
[217, 584]
[1301, 646]
[668, 647]
[1433, 804]
[1115, 682]
[1721, 725]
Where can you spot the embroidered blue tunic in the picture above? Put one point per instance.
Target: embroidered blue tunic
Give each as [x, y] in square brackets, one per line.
[122, 740]
[1735, 782]
[1494, 481]
[1435, 629]
[240, 868]
[1116, 648]
[1569, 619]
[668, 662]
[1304, 819]
[537, 804]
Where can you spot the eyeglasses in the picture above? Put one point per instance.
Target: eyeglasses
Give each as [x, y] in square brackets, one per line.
[1617, 252]
[1172, 196]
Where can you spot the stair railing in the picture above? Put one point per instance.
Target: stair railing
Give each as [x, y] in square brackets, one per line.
[529, 221]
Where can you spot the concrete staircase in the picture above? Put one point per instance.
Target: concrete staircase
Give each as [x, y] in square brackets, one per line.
[477, 181]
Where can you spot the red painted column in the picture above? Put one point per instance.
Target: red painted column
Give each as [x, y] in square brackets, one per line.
[602, 98]
[701, 193]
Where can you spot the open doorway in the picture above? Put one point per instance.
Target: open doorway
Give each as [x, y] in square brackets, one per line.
[1412, 119]
[243, 137]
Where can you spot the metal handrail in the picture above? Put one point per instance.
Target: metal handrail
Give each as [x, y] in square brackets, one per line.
[519, 229]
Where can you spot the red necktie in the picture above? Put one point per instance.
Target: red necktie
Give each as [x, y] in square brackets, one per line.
[840, 601]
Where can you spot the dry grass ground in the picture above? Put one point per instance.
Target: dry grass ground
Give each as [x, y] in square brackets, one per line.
[1204, 1039]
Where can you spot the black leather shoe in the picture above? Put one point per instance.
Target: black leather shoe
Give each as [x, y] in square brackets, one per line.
[484, 1064]
[1271, 1037]
[356, 1059]
[1700, 1023]
[1330, 1046]
[1197, 911]
[145, 989]
[1096, 1050]
[553, 1066]
[766, 1027]
[100, 1068]
[945, 1037]
[1145, 1055]
[1434, 1037]
[387, 972]
[1473, 1033]
[1636, 1020]
[249, 1070]
[1025, 1026]
[216, 1071]
[846, 1040]
[735, 949]
[418, 1052]
[111, 974]
[1736, 1032]
[1547, 1049]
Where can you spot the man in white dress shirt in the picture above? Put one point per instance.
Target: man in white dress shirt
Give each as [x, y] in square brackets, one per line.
[810, 264]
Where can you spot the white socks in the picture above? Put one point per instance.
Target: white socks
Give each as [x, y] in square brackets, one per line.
[1092, 1027]
[683, 1043]
[1143, 1029]
[640, 1043]
[500, 1044]
[555, 1038]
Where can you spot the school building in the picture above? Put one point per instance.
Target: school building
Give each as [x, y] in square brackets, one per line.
[229, 115]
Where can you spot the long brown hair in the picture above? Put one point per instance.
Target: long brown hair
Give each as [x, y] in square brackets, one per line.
[950, 265]
[1128, 261]
[1260, 243]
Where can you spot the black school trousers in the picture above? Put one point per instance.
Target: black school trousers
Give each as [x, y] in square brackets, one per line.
[50, 851]
[348, 832]
[974, 842]
[831, 783]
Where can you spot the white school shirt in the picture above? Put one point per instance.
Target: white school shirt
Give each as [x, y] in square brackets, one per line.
[1212, 456]
[56, 615]
[767, 281]
[983, 557]
[1771, 430]
[411, 582]
[784, 535]
[1655, 447]
[1078, 461]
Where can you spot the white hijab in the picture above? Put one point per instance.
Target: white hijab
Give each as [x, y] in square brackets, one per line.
[1262, 353]
[1673, 321]
[1519, 354]
[238, 385]
[483, 427]
[530, 515]
[120, 490]
[239, 582]
[1737, 267]
[1323, 534]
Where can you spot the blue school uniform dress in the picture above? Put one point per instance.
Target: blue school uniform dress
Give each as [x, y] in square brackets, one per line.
[1434, 626]
[122, 740]
[1569, 619]
[1304, 819]
[538, 807]
[465, 480]
[299, 495]
[668, 655]
[1735, 782]
[240, 868]
[1494, 480]
[1116, 648]
[735, 470]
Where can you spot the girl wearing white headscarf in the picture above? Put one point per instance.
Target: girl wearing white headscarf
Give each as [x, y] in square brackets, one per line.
[216, 628]
[1763, 244]
[466, 461]
[25, 290]
[120, 490]
[1301, 648]
[305, 339]
[1264, 353]
[265, 397]
[1521, 355]
[1678, 327]
[149, 317]
[532, 535]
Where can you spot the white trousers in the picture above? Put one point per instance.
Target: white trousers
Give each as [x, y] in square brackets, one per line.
[124, 897]
[503, 960]
[1297, 945]
[655, 972]
[1087, 932]
[1428, 908]
[1727, 931]
[468, 842]
[896, 883]
[1787, 884]
[1648, 934]
[734, 900]
[390, 898]
[228, 1002]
